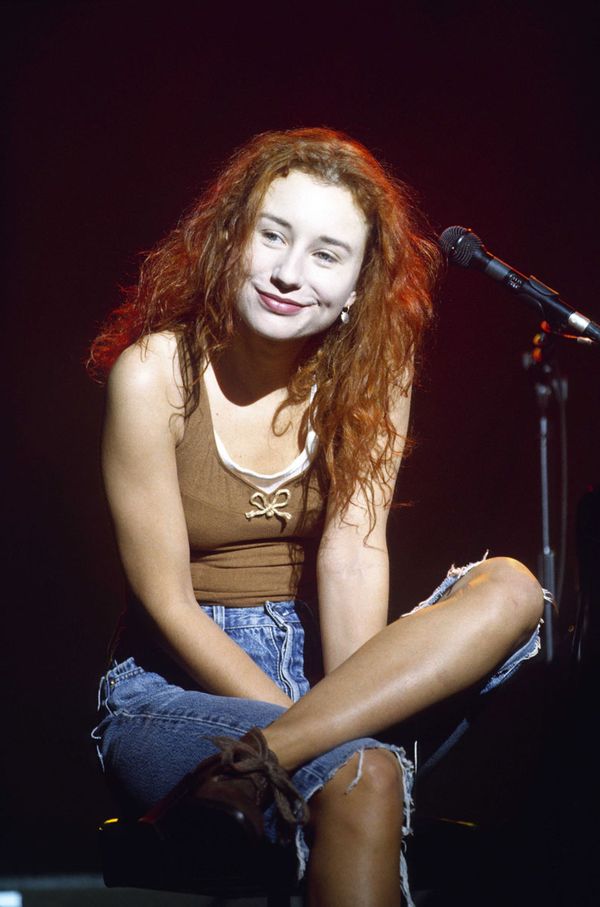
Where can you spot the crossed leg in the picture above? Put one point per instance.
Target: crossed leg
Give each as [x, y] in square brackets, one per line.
[413, 663]
[416, 661]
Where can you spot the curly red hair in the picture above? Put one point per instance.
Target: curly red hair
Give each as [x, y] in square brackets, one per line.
[189, 283]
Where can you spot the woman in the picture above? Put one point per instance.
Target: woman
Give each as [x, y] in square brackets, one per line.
[258, 403]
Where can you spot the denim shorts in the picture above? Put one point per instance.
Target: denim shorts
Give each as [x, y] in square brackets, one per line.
[154, 731]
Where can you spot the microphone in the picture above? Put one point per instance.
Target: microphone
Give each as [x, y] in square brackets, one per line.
[464, 248]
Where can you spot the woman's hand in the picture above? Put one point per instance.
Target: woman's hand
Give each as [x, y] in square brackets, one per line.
[143, 424]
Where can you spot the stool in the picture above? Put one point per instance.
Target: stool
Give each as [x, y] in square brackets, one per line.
[444, 855]
[134, 856]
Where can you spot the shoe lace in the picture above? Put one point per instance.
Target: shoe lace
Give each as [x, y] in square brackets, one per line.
[256, 759]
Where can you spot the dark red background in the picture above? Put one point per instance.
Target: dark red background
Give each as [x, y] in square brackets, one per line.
[118, 112]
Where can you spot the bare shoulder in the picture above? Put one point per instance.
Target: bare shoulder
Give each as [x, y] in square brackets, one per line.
[144, 386]
[149, 360]
[149, 368]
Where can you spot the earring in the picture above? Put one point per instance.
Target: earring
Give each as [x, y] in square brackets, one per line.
[345, 314]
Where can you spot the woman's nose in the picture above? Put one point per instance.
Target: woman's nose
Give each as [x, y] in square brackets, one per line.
[287, 273]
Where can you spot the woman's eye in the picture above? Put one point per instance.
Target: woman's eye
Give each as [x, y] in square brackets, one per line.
[326, 257]
[271, 236]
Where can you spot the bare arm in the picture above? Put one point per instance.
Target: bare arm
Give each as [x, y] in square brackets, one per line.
[142, 425]
[353, 569]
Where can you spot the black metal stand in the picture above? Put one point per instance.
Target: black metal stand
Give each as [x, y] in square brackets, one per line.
[547, 559]
[548, 386]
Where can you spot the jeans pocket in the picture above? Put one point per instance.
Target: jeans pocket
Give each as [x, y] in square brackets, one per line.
[263, 645]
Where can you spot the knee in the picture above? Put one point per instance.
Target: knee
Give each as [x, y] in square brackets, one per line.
[364, 794]
[381, 776]
[520, 597]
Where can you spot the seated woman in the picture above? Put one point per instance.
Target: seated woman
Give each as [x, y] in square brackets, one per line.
[258, 404]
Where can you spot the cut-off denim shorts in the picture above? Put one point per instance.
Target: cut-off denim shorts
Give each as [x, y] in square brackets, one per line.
[152, 731]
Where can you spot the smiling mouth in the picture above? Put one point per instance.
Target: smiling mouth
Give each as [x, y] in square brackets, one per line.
[279, 305]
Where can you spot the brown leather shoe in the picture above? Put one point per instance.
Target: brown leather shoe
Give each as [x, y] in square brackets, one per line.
[240, 782]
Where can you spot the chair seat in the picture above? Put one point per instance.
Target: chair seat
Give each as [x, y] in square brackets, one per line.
[210, 861]
[202, 862]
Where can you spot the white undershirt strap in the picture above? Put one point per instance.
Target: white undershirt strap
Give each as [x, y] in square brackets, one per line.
[269, 483]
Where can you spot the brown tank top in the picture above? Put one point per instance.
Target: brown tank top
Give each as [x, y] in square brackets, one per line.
[246, 546]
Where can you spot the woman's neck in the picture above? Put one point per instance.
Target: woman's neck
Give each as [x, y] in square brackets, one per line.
[251, 367]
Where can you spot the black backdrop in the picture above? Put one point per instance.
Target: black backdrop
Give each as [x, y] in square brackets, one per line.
[118, 112]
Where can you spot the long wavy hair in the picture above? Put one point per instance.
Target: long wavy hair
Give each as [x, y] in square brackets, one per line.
[189, 283]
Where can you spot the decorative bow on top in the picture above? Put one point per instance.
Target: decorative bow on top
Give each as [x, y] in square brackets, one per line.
[270, 505]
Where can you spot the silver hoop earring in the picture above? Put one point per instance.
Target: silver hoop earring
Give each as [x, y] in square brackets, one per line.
[345, 314]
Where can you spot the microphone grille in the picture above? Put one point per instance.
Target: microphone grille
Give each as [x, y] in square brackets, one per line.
[459, 244]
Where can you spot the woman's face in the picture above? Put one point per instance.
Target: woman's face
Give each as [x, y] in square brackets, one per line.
[303, 260]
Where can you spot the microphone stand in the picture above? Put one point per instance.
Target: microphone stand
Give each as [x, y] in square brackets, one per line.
[464, 248]
[548, 385]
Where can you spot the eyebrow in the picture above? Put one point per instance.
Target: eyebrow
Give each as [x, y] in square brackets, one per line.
[327, 240]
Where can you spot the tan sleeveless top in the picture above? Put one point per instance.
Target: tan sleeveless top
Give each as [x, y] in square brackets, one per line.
[246, 546]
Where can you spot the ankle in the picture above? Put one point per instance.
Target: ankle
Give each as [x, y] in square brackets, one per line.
[283, 747]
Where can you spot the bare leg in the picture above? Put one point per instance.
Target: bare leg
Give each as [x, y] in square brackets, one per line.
[416, 661]
[357, 834]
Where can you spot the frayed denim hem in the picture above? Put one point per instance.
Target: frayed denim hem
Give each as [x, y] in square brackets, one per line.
[526, 651]
[529, 650]
[454, 574]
